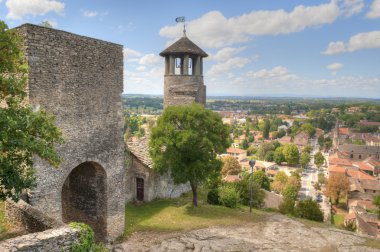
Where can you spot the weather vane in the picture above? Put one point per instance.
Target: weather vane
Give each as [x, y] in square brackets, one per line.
[182, 20]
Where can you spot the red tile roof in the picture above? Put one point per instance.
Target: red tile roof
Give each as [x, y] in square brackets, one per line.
[232, 178]
[236, 151]
[343, 131]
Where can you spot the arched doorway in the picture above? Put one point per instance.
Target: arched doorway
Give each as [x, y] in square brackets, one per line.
[84, 198]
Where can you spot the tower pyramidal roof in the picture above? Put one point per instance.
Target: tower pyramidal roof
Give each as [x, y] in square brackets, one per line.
[184, 45]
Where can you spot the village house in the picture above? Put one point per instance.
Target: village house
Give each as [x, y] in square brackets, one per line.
[360, 152]
[301, 140]
[285, 140]
[237, 153]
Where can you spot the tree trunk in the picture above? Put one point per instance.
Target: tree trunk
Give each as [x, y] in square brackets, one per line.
[195, 193]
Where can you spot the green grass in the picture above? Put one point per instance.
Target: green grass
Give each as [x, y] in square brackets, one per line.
[338, 220]
[3, 223]
[166, 215]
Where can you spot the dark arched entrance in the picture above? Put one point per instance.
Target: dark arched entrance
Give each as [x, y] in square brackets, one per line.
[84, 198]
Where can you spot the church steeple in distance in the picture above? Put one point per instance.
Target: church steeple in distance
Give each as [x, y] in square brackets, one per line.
[183, 80]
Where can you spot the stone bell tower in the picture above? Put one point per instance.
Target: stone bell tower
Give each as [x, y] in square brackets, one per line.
[183, 82]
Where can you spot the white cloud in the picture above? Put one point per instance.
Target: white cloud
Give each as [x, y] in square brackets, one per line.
[213, 30]
[130, 53]
[225, 67]
[365, 40]
[334, 66]
[53, 24]
[17, 9]
[278, 72]
[226, 53]
[88, 13]
[375, 10]
[150, 59]
[351, 7]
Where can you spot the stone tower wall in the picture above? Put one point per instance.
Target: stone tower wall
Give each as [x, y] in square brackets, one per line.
[80, 81]
[183, 89]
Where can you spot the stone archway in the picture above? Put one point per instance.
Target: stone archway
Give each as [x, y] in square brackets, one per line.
[84, 197]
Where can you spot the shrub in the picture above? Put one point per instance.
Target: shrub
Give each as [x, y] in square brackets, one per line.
[244, 189]
[213, 197]
[309, 209]
[86, 239]
[229, 196]
[287, 207]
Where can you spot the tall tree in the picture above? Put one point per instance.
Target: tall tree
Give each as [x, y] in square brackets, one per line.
[23, 132]
[305, 159]
[291, 154]
[186, 142]
[230, 166]
[337, 186]
[278, 155]
[319, 160]
[266, 129]
[308, 128]
[261, 179]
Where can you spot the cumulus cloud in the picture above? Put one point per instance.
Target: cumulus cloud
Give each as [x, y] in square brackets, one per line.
[150, 59]
[225, 53]
[365, 40]
[225, 67]
[214, 30]
[374, 10]
[334, 66]
[278, 72]
[17, 9]
[351, 7]
[130, 53]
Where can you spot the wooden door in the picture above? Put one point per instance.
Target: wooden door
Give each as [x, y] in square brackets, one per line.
[139, 189]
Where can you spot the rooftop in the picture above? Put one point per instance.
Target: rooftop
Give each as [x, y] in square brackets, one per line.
[184, 45]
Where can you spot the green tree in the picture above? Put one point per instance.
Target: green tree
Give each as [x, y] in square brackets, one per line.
[269, 156]
[278, 155]
[264, 149]
[46, 24]
[308, 128]
[23, 132]
[261, 179]
[266, 129]
[186, 142]
[291, 154]
[287, 206]
[279, 182]
[307, 148]
[244, 188]
[309, 209]
[230, 166]
[319, 160]
[305, 159]
[245, 144]
[376, 202]
[290, 192]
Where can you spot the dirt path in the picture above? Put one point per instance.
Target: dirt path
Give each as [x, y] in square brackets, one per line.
[275, 233]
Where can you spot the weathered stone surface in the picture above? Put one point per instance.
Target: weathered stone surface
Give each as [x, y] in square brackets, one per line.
[59, 239]
[24, 215]
[276, 233]
[140, 165]
[80, 80]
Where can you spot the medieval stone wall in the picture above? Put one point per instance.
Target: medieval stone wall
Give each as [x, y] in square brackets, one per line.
[80, 81]
[59, 239]
[155, 185]
[184, 89]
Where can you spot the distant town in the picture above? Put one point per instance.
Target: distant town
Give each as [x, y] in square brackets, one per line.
[332, 144]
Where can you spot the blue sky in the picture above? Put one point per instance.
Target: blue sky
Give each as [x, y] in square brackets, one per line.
[257, 48]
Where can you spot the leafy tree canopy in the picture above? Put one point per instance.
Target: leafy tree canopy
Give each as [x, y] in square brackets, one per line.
[23, 132]
[186, 142]
[230, 166]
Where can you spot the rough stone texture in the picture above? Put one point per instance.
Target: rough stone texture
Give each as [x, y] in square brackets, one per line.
[32, 220]
[59, 239]
[155, 185]
[183, 89]
[80, 80]
[276, 233]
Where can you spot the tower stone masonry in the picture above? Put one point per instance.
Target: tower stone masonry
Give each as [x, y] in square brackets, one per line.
[183, 81]
[80, 81]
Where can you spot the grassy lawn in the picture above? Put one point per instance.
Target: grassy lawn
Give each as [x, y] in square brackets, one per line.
[179, 215]
[338, 220]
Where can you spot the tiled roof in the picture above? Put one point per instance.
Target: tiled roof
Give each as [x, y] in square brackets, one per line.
[140, 149]
[344, 131]
[184, 45]
[232, 178]
[236, 151]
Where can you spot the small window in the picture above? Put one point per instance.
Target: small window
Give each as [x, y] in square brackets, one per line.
[190, 70]
[351, 155]
[360, 156]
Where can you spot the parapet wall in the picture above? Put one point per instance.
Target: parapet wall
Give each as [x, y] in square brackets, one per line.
[28, 217]
[59, 239]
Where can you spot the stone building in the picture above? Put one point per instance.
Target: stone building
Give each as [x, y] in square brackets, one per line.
[80, 81]
[142, 182]
[183, 81]
[360, 152]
